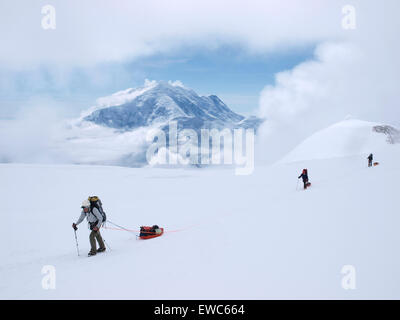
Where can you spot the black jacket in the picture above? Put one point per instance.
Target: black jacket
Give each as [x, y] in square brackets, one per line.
[304, 176]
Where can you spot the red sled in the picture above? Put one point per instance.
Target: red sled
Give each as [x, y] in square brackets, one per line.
[150, 232]
[308, 184]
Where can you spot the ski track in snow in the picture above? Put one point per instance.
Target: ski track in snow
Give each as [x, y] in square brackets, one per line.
[240, 237]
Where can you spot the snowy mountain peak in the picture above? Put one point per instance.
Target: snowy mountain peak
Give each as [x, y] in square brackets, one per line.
[119, 98]
[158, 102]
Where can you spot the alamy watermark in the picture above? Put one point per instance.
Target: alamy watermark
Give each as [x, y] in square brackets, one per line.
[185, 147]
[349, 278]
[49, 18]
[349, 17]
[49, 279]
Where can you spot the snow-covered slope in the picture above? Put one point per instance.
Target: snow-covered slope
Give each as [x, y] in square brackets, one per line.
[227, 236]
[347, 138]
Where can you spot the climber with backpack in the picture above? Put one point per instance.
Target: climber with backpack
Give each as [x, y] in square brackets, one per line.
[304, 176]
[93, 211]
[370, 158]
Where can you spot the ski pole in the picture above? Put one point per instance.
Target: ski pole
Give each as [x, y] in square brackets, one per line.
[76, 240]
[107, 244]
[297, 186]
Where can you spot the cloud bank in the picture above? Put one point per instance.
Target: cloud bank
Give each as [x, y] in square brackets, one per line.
[359, 76]
[96, 31]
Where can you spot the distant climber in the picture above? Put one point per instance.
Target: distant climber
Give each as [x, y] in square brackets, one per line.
[370, 159]
[304, 176]
[95, 220]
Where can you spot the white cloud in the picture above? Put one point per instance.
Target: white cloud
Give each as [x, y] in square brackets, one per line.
[359, 76]
[31, 136]
[40, 135]
[89, 32]
[176, 83]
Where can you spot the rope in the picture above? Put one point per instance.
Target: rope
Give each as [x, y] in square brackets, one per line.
[120, 228]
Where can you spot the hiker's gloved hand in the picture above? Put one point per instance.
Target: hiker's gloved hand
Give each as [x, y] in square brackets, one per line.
[74, 226]
[95, 229]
